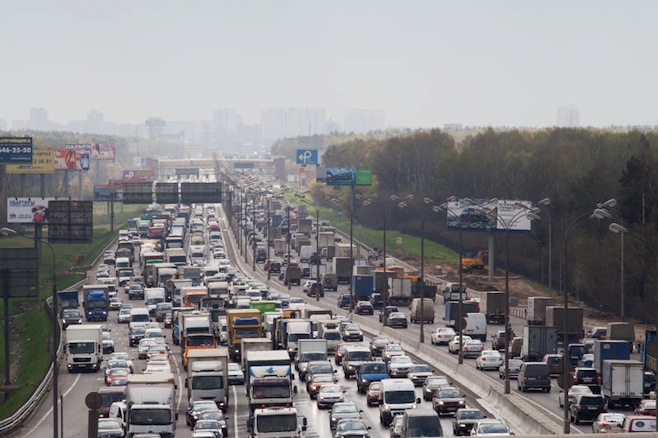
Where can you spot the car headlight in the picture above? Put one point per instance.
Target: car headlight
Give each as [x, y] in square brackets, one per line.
[440, 402]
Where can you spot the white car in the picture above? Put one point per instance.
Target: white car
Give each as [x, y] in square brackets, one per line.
[399, 366]
[473, 348]
[442, 335]
[453, 345]
[120, 355]
[490, 427]
[418, 373]
[489, 360]
[235, 374]
[330, 394]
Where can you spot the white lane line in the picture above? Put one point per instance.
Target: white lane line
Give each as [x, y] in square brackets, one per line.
[235, 412]
[50, 411]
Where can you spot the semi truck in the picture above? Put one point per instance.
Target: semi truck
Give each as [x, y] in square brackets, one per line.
[555, 316]
[399, 291]
[84, 347]
[362, 286]
[492, 304]
[538, 340]
[622, 382]
[207, 376]
[275, 423]
[610, 350]
[342, 267]
[241, 324]
[150, 402]
[536, 310]
[96, 301]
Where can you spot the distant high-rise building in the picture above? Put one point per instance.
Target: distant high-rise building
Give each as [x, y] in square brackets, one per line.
[3, 125]
[364, 120]
[292, 122]
[568, 116]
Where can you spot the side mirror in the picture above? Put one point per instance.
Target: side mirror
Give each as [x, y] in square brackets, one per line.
[185, 382]
[418, 400]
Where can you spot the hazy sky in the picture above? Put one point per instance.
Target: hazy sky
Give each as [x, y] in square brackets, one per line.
[425, 63]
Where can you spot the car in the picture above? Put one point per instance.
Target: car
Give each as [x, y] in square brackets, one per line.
[473, 348]
[385, 312]
[167, 320]
[115, 304]
[136, 335]
[235, 374]
[136, 291]
[218, 416]
[419, 373]
[598, 333]
[123, 356]
[352, 428]
[316, 382]
[465, 419]
[123, 317]
[442, 335]
[343, 301]
[110, 427]
[368, 372]
[108, 343]
[453, 345]
[399, 366]
[490, 427]
[116, 373]
[210, 425]
[377, 345]
[109, 258]
[554, 361]
[143, 347]
[589, 377]
[396, 429]
[608, 422]
[432, 383]
[498, 341]
[196, 408]
[377, 301]
[397, 319]
[489, 360]
[638, 423]
[573, 392]
[649, 379]
[341, 350]
[364, 308]
[447, 399]
[514, 366]
[307, 286]
[71, 317]
[329, 394]
[586, 407]
[341, 411]
[352, 332]
[391, 350]
[646, 407]
[373, 393]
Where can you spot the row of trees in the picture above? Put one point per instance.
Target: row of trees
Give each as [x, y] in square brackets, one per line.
[575, 168]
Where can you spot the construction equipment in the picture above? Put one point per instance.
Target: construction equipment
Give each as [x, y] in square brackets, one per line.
[472, 262]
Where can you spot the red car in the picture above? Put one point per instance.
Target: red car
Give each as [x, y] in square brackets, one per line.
[646, 407]
[374, 393]
[116, 373]
[317, 381]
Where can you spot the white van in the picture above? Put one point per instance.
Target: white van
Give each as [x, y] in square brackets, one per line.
[139, 316]
[397, 396]
[476, 326]
[122, 263]
[422, 310]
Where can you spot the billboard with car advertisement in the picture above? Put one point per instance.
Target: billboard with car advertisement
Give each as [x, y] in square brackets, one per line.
[28, 210]
[489, 215]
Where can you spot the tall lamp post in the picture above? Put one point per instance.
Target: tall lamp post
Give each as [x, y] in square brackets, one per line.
[303, 199]
[369, 201]
[351, 207]
[55, 327]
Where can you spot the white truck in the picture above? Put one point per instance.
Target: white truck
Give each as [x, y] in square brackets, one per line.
[297, 330]
[269, 379]
[308, 350]
[622, 382]
[328, 330]
[275, 423]
[207, 376]
[84, 347]
[150, 403]
[253, 344]
[153, 296]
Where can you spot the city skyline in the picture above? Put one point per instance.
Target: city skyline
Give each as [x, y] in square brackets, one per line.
[424, 64]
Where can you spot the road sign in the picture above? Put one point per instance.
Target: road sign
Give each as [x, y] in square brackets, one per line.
[307, 156]
[16, 150]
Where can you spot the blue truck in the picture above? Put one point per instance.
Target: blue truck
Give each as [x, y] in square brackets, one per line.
[96, 302]
[609, 350]
[362, 285]
[67, 299]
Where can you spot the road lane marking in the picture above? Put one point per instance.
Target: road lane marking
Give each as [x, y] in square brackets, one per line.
[49, 413]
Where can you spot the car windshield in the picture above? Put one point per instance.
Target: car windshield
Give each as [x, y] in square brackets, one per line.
[345, 409]
[421, 369]
[488, 428]
[449, 393]
[373, 368]
[470, 415]
[351, 425]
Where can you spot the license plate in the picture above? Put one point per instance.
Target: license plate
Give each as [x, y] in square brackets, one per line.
[592, 408]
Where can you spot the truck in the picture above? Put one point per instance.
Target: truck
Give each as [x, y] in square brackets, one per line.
[207, 376]
[650, 351]
[275, 423]
[622, 382]
[219, 289]
[610, 350]
[280, 247]
[163, 272]
[143, 226]
[422, 309]
[538, 340]
[96, 301]
[241, 324]
[381, 279]
[173, 289]
[474, 261]
[362, 286]
[492, 304]
[153, 296]
[293, 275]
[451, 311]
[325, 239]
[314, 270]
[329, 281]
[269, 379]
[315, 314]
[328, 330]
[84, 347]
[451, 292]
[342, 267]
[284, 327]
[150, 403]
[423, 289]
[305, 226]
[253, 344]
[622, 331]
[308, 350]
[399, 291]
[343, 250]
[536, 310]
[263, 306]
[555, 316]
[296, 331]
[67, 299]
[305, 253]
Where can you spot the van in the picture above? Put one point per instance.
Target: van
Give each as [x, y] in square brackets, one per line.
[109, 395]
[139, 316]
[119, 410]
[305, 253]
[534, 375]
[476, 326]
[397, 395]
[422, 311]
[122, 263]
[451, 292]
[421, 422]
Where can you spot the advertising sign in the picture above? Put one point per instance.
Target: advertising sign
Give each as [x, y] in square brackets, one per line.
[363, 177]
[139, 175]
[105, 192]
[15, 150]
[28, 210]
[71, 222]
[43, 161]
[485, 215]
[342, 176]
[102, 152]
[67, 159]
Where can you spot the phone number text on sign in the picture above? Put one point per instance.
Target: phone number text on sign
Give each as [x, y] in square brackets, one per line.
[15, 149]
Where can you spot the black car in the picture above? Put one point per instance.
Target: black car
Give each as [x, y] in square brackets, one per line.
[377, 301]
[649, 382]
[377, 345]
[73, 317]
[383, 314]
[586, 407]
[364, 308]
[465, 419]
[397, 319]
[343, 301]
[315, 289]
[588, 377]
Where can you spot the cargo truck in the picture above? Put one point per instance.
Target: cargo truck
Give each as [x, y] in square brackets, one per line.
[451, 311]
[650, 351]
[153, 296]
[308, 350]
[269, 379]
[150, 403]
[451, 292]
[342, 267]
[555, 318]
[610, 350]
[84, 347]
[622, 382]
[399, 292]
[207, 376]
[293, 275]
[276, 423]
[492, 304]
[253, 344]
[280, 247]
[325, 239]
[343, 250]
[362, 286]
[621, 331]
[163, 272]
[536, 310]
[96, 301]
[241, 324]
[538, 340]
[288, 331]
[67, 299]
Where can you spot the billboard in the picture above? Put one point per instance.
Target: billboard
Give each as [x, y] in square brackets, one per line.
[105, 192]
[43, 161]
[341, 176]
[71, 222]
[485, 215]
[15, 150]
[139, 175]
[102, 152]
[28, 210]
[363, 177]
[71, 159]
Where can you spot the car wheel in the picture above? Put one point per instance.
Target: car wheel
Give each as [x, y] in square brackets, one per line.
[576, 420]
[548, 389]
